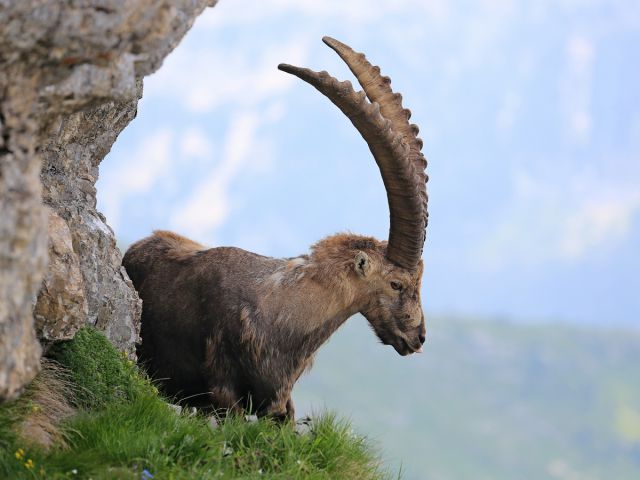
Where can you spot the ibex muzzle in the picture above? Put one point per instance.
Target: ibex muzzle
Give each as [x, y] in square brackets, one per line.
[229, 329]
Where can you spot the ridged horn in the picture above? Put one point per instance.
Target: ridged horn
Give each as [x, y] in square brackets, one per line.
[383, 123]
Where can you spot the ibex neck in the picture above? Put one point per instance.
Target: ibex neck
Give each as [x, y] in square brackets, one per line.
[308, 305]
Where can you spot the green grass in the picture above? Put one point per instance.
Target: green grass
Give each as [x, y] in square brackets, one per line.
[10, 414]
[125, 428]
[102, 374]
[123, 440]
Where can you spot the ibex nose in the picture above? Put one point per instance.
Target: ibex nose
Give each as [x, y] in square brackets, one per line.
[422, 338]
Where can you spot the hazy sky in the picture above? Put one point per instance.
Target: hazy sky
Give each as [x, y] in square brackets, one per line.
[530, 116]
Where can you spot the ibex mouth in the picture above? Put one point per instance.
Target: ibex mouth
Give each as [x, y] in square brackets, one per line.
[406, 348]
[400, 342]
[416, 345]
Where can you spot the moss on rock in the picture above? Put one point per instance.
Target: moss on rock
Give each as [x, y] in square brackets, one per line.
[103, 375]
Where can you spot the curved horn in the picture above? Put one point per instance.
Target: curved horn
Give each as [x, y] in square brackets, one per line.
[384, 125]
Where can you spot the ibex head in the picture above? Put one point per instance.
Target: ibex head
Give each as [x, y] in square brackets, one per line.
[389, 272]
[394, 308]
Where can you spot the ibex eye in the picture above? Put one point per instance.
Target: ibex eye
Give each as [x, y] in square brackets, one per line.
[396, 286]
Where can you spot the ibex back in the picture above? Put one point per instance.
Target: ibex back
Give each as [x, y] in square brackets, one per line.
[224, 328]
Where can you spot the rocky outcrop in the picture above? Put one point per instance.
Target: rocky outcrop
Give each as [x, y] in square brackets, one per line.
[70, 79]
[73, 146]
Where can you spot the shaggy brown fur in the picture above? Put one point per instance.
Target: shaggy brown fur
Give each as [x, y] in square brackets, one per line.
[230, 329]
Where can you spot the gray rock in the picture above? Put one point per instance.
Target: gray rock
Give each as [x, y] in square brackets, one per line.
[74, 145]
[213, 422]
[23, 226]
[70, 79]
[304, 426]
[175, 408]
[61, 308]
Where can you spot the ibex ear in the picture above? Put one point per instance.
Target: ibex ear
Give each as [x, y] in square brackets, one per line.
[362, 264]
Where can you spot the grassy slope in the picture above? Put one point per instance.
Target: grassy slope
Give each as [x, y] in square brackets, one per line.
[123, 440]
[124, 428]
[490, 400]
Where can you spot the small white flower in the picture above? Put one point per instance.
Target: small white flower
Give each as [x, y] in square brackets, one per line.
[226, 450]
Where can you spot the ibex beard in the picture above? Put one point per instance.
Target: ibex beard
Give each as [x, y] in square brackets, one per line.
[231, 330]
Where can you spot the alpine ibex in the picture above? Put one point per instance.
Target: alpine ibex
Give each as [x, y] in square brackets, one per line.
[230, 329]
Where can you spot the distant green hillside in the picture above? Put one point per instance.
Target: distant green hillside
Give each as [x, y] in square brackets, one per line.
[490, 400]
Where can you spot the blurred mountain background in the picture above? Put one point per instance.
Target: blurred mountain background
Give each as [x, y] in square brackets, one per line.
[489, 399]
[530, 116]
